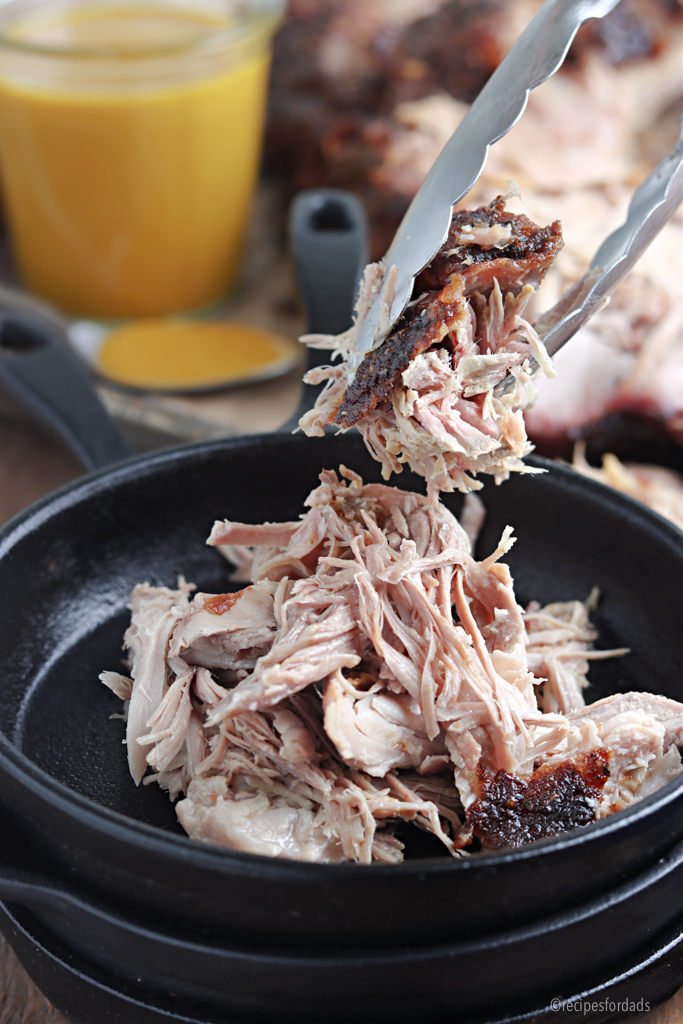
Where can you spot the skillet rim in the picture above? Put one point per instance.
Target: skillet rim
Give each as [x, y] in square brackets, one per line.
[105, 821]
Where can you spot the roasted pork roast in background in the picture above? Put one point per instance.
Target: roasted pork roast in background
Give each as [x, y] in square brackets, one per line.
[342, 68]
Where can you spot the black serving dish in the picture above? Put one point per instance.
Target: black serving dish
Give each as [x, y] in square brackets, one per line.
[230, 980]
[86, 994]
[66, 568]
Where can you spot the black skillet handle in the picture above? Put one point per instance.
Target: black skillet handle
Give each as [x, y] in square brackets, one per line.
[23, 875]
[328, 237]
[41, 375]
[32, 890]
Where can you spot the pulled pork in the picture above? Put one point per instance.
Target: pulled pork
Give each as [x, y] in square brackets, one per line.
[372, 673]
[425, 396]
[659, 488]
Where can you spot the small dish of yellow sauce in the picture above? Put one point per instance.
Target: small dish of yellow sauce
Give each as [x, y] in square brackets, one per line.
[177, 354]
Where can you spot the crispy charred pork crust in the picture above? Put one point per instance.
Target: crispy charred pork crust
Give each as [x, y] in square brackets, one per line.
[525, 259]
[531, 247]
[512, 812]
[425, 324]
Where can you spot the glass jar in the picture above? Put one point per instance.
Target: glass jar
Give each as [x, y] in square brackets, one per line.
[130, 140]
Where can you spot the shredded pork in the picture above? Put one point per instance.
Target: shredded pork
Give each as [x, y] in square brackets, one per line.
[373, 673]
[425, 397]
[659, 488]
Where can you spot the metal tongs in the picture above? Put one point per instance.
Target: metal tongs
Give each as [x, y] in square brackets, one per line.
[535, 57]
[652, 205]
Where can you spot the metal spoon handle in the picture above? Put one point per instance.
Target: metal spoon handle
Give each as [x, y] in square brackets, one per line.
[536, 55]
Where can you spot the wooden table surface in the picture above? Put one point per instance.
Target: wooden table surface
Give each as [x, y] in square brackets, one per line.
[31, 464]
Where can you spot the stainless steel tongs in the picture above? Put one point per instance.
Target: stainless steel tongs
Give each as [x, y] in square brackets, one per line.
[535, 57]
[653, 203]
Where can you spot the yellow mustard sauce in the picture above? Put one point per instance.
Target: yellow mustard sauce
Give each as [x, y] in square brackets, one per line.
[177, 354]
[129, 199]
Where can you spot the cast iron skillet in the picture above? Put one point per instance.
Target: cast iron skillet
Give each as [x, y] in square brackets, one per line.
[68, 564]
